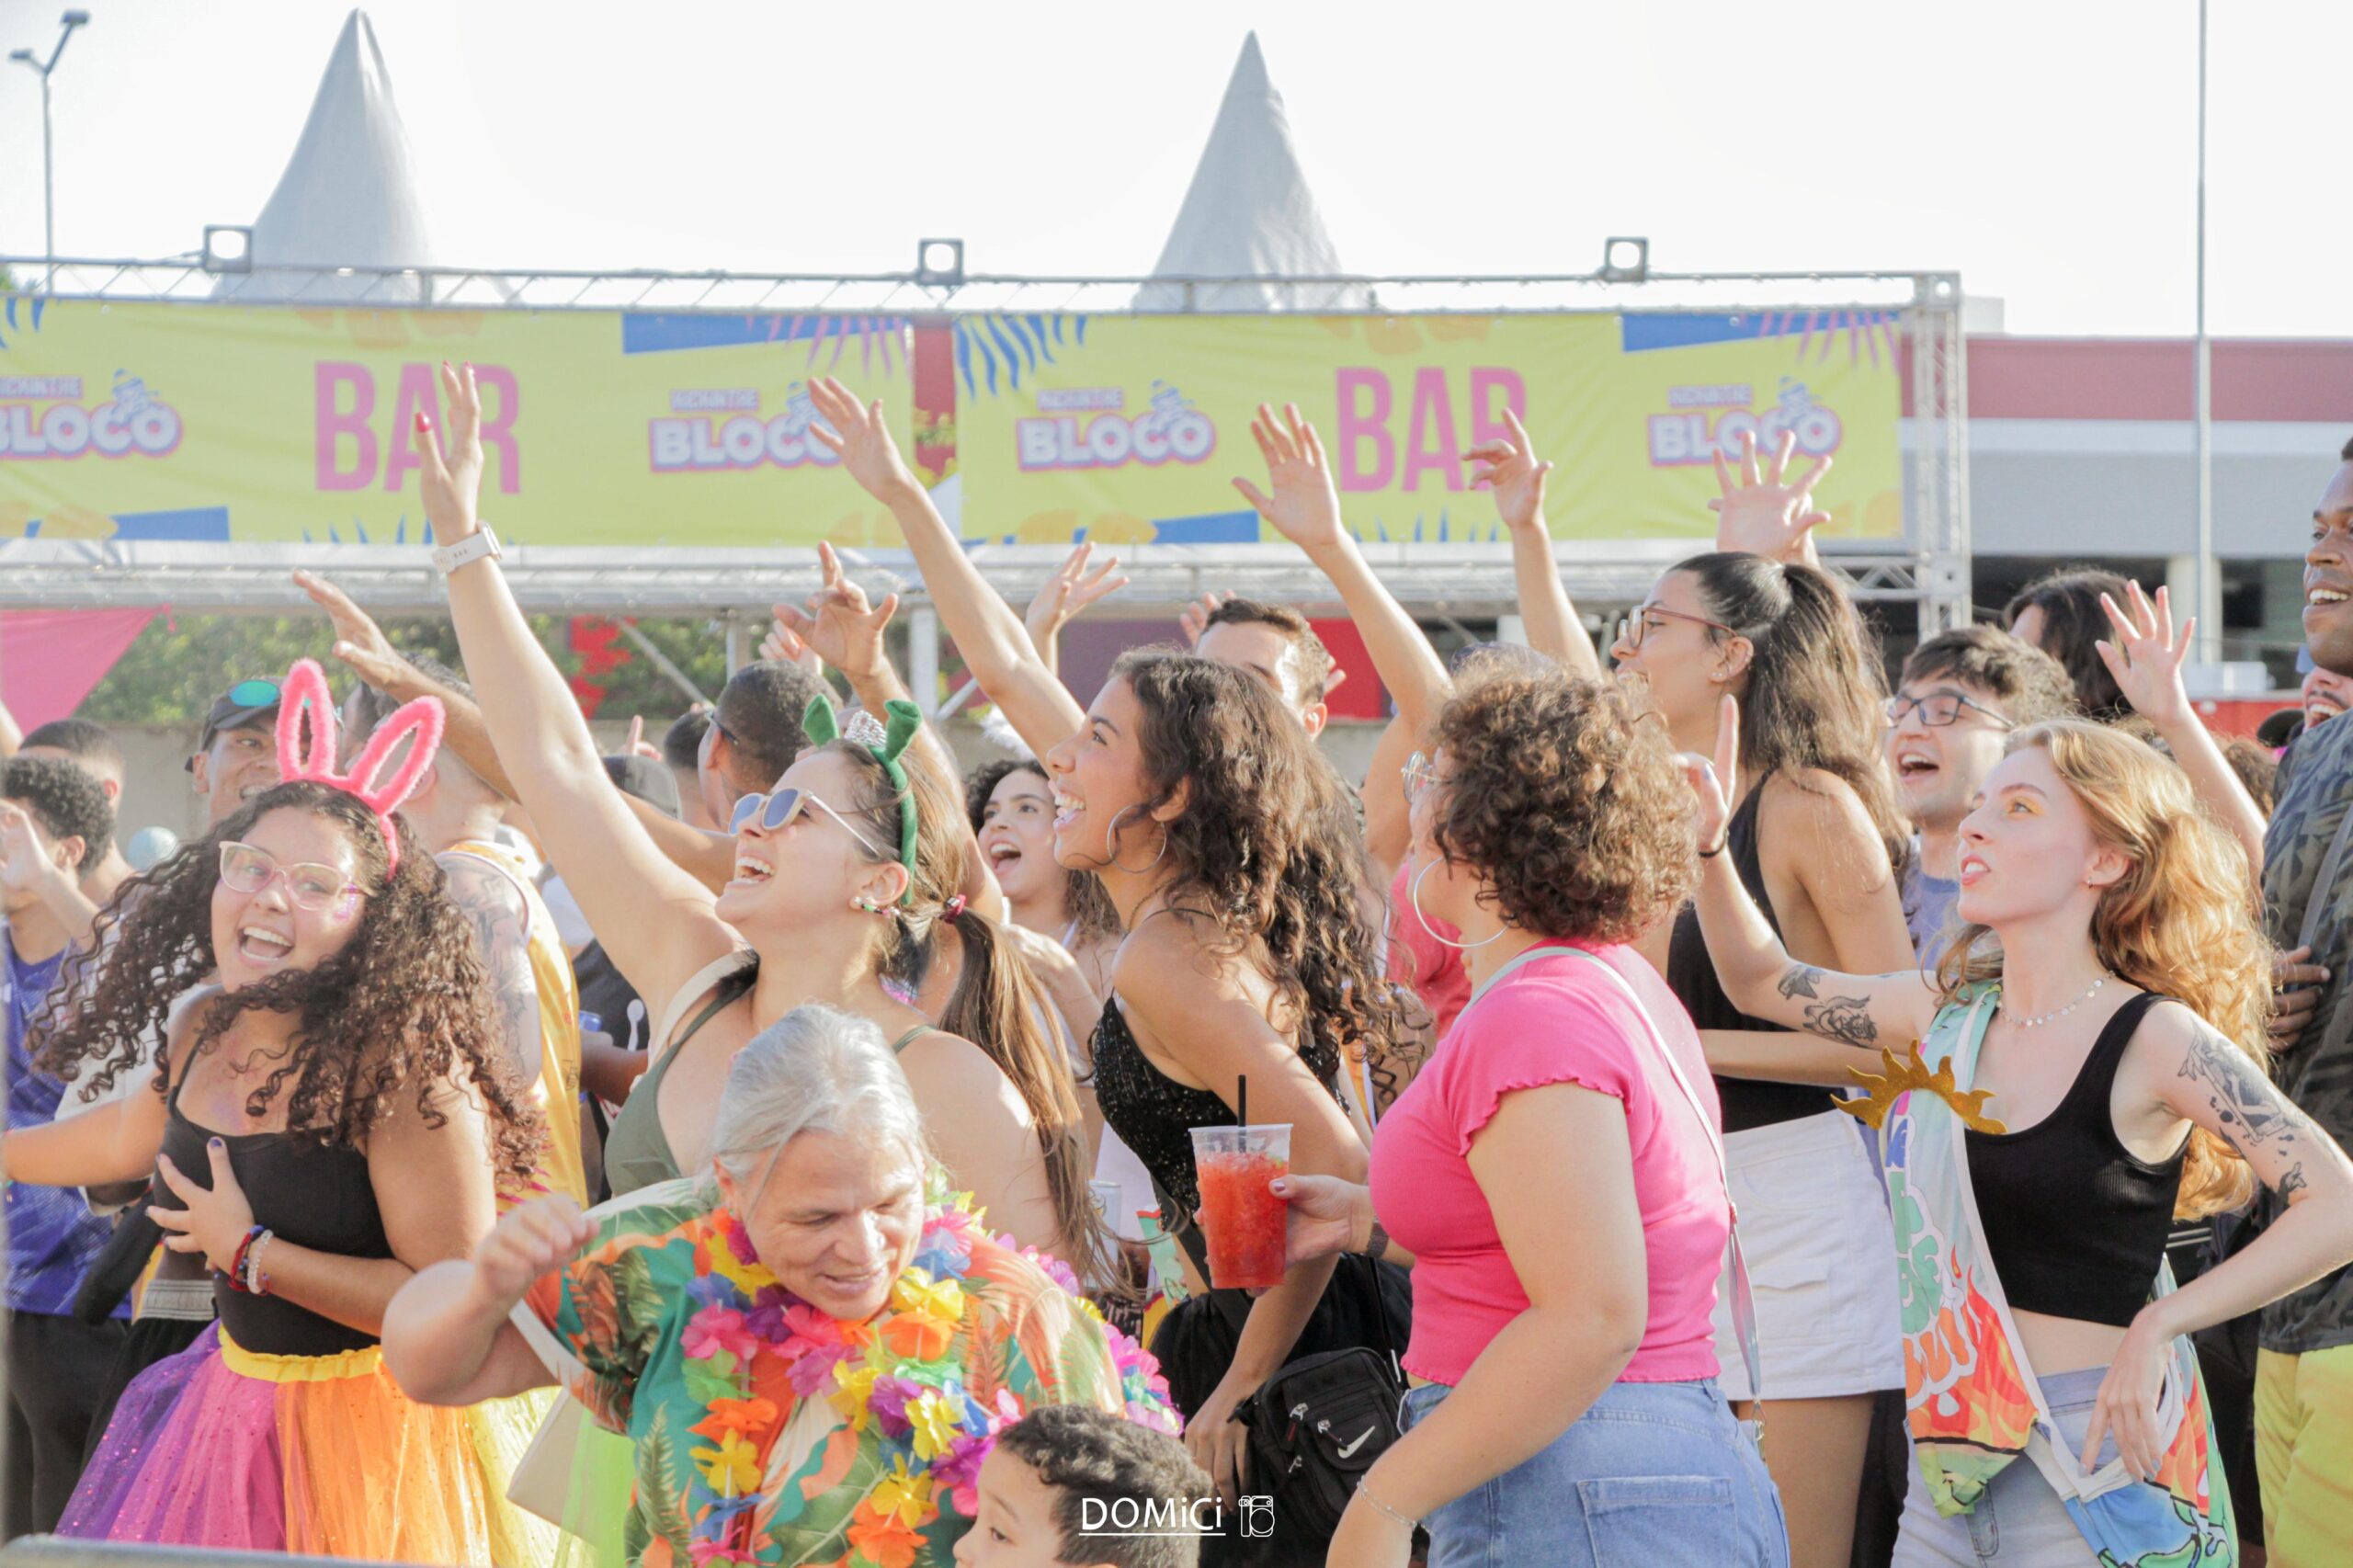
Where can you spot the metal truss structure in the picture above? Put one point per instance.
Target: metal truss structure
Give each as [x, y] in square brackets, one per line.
[1464, 581]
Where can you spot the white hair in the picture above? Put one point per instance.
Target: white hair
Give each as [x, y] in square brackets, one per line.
[817, 1069]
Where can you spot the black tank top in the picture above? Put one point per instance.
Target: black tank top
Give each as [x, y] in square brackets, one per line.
[1152, 1113]
[309, 1194]
[2075, 1223]
[1691, 974]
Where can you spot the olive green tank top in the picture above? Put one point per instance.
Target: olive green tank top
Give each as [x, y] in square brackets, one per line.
[637, 1150]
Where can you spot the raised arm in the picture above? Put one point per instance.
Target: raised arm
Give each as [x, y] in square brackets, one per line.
[655, 919]
[1305, 510]
[361, 645]
[1766, 513]
[26, 867]
[1509, 467]
[1061, 596]
[1755, 969]
[2145, 657]
[994, 643]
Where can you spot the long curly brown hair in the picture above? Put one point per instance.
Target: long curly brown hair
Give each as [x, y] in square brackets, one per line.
[404, 1008]
[1570, 808]
[1268, 848]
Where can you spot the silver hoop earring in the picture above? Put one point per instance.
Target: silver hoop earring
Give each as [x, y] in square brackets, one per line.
[1413, 897]
[1112, 837]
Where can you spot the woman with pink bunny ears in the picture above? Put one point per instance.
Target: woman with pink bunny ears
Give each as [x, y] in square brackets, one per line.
[335, 1115]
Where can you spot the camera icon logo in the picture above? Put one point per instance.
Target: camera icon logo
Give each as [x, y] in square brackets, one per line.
[1258, 1517]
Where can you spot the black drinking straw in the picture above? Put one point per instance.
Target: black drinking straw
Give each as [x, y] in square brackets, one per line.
[1241, 1098]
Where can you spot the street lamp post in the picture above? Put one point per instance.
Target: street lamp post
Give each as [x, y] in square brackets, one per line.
[32, 61]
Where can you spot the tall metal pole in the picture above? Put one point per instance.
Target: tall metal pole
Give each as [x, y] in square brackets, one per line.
[48, 195]
[2210, 587]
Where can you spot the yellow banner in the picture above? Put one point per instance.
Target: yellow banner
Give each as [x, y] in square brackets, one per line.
[1133, 429]
[203, 422]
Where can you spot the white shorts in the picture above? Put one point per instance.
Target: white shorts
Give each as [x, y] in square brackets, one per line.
[1820, 1250]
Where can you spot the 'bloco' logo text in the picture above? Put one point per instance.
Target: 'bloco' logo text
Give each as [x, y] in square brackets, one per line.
[133, 422]
[1085, 428]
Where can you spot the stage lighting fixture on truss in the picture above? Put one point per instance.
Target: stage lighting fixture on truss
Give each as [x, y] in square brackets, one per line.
[228, 247]
[940, 264]
[1625, 259]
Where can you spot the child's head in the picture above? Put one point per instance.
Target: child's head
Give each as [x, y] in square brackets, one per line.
[1070, 1487]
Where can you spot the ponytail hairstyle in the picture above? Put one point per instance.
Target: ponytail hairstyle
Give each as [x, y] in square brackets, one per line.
[997, 1003]
[2178, 921]
[1814, 695]
[1267, 848]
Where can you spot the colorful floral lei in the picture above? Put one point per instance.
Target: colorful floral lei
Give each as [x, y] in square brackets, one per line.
[754, 1351]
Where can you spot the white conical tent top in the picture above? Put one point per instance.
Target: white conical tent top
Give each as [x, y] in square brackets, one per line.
[348, 197]
[1249, 214]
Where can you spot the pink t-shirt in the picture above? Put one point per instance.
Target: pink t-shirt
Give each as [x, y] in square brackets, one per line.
[1419, 959]
[1554, 1020]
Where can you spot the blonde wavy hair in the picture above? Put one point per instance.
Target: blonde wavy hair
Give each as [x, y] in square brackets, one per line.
[2179, 922]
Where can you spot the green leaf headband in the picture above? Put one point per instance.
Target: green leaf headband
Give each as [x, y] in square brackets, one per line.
[886, 743]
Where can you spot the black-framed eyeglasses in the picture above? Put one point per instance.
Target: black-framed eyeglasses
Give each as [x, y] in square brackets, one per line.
[1632, 627]
[777, 808]
[1939, 709]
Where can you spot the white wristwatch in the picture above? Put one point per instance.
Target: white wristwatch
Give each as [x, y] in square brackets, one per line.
[480, 545]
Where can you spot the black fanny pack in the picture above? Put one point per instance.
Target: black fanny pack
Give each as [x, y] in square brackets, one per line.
[1316, 1426]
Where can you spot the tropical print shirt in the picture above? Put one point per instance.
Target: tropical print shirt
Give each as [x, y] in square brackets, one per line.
[2315, 789]
[768, 1433]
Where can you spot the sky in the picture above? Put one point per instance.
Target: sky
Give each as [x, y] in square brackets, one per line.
[2045, 149]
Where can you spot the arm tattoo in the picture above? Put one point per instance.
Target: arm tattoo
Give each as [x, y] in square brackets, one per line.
[2292, 1182]
[1843, 1019]
[1800, 980]
[2249, 1108]
[498, 915]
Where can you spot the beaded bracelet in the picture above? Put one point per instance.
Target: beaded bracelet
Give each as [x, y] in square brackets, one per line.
[257, 1282]
[1374, 1498]
[236, 1269]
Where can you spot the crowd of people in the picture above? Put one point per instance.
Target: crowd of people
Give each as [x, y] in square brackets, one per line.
[1737, 1110]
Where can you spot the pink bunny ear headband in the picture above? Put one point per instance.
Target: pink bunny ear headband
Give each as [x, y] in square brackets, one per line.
[305, 691]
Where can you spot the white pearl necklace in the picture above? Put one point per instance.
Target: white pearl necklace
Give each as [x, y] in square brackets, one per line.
[2054, 1017]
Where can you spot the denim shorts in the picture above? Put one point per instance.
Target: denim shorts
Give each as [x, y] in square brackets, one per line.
[1654, 1475]
[2019, 1522]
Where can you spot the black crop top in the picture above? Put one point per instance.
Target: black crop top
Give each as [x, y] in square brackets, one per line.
[2076, 1223]
[1691, 974]
[1152, 1113]
[307, 1194]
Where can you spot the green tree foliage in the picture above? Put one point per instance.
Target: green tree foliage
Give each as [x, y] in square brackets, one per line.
[177, 666]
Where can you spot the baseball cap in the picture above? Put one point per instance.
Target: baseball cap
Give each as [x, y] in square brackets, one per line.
[647, 779]
[235, 708]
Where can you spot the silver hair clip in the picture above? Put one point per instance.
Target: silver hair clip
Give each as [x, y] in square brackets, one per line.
[865, 730]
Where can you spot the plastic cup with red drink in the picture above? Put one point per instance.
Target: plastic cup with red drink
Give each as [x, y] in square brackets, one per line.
[1242, 1220]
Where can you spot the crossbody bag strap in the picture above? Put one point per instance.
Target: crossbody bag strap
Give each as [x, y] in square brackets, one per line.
[1744, 1299]
[2331, 865]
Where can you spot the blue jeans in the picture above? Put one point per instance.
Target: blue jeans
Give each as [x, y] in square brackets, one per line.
[2019, 1522]
[1654, 1475]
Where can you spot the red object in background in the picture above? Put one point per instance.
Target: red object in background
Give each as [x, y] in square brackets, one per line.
[592, 640]
[2239, 716]
[1361, 696]
[51, 658]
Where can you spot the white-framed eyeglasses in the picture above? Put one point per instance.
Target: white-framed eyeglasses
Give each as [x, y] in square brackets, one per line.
[777, 808]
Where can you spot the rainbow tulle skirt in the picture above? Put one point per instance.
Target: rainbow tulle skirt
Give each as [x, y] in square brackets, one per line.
[320, 1455]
